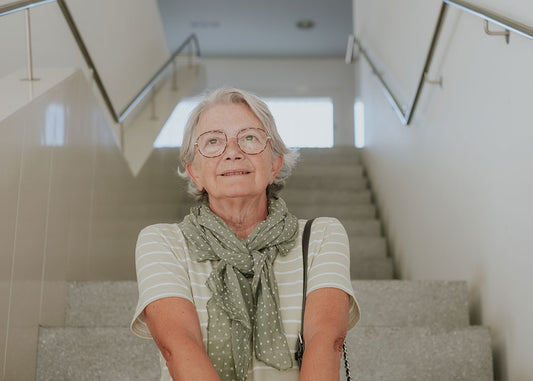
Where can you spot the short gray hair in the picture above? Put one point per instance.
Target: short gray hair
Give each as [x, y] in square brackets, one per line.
[261, 111]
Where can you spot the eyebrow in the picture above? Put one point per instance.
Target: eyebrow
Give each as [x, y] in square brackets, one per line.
[244, 128]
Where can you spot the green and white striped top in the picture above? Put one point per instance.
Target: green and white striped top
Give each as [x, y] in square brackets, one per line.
[165, 269]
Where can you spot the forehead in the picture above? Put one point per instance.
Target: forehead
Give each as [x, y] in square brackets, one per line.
[228, 118]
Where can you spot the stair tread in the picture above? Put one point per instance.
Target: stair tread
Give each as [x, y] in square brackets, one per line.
[419, 353]
[329, 156]
[100, 303]
[337, 211]
[381, 300]
[412, 303]
[311, 169]
[353, 183]
[375, 353]
[97, 353]
[371, 268]
[323, 195]
[367, 246]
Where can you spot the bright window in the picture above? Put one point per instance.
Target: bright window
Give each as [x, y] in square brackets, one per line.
[171, 134]
[359, 118]
[301, 122]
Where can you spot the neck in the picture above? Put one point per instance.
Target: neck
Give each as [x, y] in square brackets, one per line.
[242, 215]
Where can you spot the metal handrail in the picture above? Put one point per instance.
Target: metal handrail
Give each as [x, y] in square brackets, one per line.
[118, 117]
[489, 16]
[153, 81]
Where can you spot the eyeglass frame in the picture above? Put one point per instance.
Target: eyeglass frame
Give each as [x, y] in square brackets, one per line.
[268, 139]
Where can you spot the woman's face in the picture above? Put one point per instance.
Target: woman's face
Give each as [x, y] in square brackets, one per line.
[234, 174]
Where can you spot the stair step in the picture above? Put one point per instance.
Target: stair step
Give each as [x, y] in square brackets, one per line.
[339, 211]
[383, 302]
[330, 156]
[112, 303]
[412, 303]
[88, 354]
[357, 227]
[419, 354]
[341, 177]
[100, 304]
[327, 181]
[367, 247]
[313, 196]
[375, 353]
[309, 171]
[371, 268]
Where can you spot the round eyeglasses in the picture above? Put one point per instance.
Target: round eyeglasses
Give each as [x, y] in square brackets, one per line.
[251, 141]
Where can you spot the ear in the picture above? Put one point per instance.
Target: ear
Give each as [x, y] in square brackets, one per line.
[277, 163]
[194, 175]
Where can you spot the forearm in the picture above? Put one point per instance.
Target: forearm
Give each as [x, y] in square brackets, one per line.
[174, 325]
[321, 358]
[325, 325]
[189, 361]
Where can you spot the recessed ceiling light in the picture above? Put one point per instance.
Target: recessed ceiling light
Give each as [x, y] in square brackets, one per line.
[305, 24]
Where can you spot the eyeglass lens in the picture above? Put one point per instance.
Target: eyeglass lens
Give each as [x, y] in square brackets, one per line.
[250, 140]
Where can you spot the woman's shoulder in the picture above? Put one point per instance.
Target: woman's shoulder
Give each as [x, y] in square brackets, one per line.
[161, 228]
[323, 224]
[169, 232]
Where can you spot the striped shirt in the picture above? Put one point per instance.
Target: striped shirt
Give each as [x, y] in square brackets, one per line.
[165, 269]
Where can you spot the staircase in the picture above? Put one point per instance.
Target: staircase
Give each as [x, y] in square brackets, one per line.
[409, 330]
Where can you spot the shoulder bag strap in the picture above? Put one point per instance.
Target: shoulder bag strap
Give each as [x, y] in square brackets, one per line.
[305, 249]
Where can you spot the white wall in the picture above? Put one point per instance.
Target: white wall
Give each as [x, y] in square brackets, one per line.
[328, 77]
[455, 187]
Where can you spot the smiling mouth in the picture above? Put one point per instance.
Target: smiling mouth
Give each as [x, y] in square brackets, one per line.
[235, 173]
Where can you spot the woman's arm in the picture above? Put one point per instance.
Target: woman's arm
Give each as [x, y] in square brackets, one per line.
[325, 326]
[174, 325]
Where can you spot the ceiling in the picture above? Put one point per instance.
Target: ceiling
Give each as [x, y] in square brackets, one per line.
[259, 28]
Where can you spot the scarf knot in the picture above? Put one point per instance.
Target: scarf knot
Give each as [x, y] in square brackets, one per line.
[244, 307]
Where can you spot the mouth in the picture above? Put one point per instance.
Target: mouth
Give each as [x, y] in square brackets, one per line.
[235, 173]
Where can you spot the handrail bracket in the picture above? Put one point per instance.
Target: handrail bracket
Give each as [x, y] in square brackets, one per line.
[506, 33]
[432, 81]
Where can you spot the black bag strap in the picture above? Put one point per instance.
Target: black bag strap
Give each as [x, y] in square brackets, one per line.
[305, 250]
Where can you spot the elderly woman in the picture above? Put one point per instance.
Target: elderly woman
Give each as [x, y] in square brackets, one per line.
[221, 292]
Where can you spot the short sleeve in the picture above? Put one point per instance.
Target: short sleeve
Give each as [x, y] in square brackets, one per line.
[161, 266]
[329, 261]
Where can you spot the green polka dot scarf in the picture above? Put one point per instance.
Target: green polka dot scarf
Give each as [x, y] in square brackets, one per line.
[244, 307]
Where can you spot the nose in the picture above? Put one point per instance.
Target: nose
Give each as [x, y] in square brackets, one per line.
[233, 151]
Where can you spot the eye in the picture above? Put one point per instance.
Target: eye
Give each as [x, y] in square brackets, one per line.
[212, 141]
[250, 138]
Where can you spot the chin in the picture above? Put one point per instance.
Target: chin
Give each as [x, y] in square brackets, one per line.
[241, 193]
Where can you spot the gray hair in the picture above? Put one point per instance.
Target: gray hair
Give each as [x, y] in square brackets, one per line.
[261, 111]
